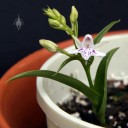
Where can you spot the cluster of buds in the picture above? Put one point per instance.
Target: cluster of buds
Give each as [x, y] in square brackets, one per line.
[58, 21]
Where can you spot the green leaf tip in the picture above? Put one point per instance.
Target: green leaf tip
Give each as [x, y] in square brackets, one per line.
[100, 35]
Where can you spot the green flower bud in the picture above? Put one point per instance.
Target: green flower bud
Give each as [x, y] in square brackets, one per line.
[73, 15]
[49, 45]
[54, 23]
[49, 13]
[63, 20]
[56, 13]
[49, 9]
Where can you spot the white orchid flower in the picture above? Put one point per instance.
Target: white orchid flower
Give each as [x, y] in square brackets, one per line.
[86, 48]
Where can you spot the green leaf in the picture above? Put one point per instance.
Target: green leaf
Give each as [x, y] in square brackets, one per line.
[104, 31]
[65, 79]
[64, 63]
[90, 61]
[100, 84]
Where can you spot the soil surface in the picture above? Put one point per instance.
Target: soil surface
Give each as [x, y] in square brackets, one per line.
[116, 109]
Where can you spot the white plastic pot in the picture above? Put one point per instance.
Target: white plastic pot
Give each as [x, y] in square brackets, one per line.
[50, 92]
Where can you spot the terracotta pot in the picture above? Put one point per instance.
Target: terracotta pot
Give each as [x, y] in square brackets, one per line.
[18, 105]
[50, 92]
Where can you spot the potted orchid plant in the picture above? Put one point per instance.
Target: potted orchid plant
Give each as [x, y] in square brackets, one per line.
[84, 52]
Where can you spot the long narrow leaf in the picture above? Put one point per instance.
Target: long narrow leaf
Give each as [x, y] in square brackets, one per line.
[65, 79]
[64, 63]
[104, 31]
[100, 84]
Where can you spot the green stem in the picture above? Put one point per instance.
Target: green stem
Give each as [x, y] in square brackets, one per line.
[74, 27]
[87, 71]
[102, 119]
[89, 77]
[67, 28]
[65, 52]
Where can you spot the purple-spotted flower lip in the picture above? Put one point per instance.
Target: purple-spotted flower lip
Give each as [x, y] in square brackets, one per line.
[86, 48]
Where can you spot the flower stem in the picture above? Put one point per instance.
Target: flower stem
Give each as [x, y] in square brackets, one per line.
[64, 52]
[102, 119]
[89, 77]
[87, 70]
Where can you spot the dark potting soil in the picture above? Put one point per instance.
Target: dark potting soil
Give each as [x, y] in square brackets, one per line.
[116, 109]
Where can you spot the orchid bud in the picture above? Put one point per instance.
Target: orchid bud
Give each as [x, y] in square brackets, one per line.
[56, 13]
[49, 45]
[63, 20]
[49, 12]
[54, 23]
[73, 15]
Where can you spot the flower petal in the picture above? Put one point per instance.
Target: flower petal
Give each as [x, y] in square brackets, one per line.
[86, 53]
[87, 42]
[97, 53]
[85, 56]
